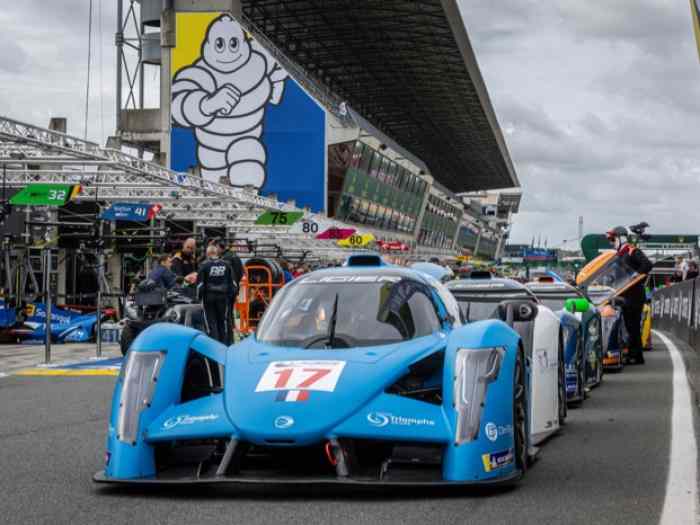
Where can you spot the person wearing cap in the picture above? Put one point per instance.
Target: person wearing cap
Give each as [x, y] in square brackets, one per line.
[635, 296]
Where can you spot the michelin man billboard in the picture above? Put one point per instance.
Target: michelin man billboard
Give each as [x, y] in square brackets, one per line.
[240, 117]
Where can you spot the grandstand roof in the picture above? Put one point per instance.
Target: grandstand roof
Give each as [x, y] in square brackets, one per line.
[409, 68]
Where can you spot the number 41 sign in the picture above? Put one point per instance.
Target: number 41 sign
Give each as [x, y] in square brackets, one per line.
[301, 375]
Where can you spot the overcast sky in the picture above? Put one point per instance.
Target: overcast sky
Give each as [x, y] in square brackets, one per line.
[599, 100]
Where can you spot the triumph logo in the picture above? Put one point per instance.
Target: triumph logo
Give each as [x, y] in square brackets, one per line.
[382, 419]
[186, 419]
[378, 419]
[283, 422]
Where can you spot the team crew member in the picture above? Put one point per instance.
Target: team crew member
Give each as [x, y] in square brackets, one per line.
[234, 261]
[161, 274]
[184, 261]
[217, 292]
[635, 297]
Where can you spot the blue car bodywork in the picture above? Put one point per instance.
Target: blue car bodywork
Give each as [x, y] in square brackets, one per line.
[67, 326]
[573, 355]
[582, 337]
[434, 408]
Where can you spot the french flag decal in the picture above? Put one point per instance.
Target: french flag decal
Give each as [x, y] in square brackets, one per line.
[292, 395]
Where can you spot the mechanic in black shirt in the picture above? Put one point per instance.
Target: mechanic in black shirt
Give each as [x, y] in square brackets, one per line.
[234, 261]
[162, 275]
[184, 261]
[634, 297]
[217, 292]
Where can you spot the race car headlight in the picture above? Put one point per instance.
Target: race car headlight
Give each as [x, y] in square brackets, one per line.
[474, 370]
[138, 384]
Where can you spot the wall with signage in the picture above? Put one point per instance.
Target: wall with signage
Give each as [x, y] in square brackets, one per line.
[675, 310]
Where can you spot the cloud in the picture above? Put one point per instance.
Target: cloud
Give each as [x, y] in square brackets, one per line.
[601, 102]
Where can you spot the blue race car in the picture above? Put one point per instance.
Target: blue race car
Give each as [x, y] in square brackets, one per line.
[67, 325]
[479, 298]
[581, 329]
[358, 374]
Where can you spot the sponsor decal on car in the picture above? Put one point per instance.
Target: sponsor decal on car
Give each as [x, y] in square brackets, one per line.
[351, 279]
[186, 419]
[383, 419]
[283, 422]
[293, 380]
[493, 431]
[497, 460]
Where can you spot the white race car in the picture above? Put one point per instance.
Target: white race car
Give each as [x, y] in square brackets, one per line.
[479, 298]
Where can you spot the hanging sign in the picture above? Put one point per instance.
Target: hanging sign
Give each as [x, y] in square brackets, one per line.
[279, 218]
[130, 211]
[356, 240]
[45, 195]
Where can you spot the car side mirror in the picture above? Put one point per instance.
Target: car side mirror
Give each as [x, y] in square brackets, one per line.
[517, 311]
[579, 305]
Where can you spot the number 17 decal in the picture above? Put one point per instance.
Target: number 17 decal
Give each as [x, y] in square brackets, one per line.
[301, 375]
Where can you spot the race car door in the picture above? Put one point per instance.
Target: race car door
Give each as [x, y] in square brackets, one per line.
[610, 271]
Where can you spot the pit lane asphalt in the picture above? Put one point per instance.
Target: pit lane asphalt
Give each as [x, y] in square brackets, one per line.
[609, 465]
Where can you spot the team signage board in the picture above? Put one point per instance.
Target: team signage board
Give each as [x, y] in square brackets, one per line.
[129, 211]
[356, 240]
[335, 234]
[239, 117]
[45, 195]
[279, 218]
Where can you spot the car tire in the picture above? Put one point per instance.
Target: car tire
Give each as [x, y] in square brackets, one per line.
[520, 436]
[127, 337]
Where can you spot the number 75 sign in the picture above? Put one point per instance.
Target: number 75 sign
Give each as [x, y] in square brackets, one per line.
[301, 375]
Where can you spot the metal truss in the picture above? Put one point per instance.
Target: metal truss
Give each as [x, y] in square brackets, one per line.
[30, 154]
[22, 143]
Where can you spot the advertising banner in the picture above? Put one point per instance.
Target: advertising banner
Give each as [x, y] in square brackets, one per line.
[129, 211]
[674, 311]
[239, 117]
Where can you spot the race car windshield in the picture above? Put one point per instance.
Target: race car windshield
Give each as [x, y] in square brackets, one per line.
[478, 311]
[614, 277]
[386, 311]
[556, 302]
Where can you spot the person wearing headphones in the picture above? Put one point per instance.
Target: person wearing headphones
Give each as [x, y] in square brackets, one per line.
[635, 296]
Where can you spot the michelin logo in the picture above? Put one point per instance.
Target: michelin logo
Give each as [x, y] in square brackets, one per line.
[186, 419]
[383, 419]
[223, 96]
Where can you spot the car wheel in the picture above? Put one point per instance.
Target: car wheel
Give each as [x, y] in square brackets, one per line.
[127, 337]
[520, 414]
[563, 409]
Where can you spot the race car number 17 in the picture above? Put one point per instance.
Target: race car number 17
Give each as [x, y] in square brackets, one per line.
[301, 375]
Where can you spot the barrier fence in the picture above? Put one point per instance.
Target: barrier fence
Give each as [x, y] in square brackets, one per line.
[674, 310]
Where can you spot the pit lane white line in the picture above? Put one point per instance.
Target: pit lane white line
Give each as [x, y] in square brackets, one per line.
[680, 504]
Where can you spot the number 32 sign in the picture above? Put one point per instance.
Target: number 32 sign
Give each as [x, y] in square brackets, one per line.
[301, 375]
